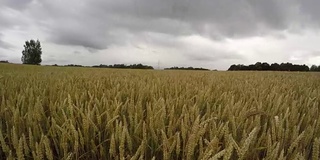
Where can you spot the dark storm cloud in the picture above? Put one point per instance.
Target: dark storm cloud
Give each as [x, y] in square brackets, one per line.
[196, 31]
[12, 16]
[91, 23]
[213, 17]
[87, 40]
[73, 22]
[311, 8]
[16, 4]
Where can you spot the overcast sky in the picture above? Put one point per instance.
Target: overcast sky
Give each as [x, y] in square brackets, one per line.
[200, 33]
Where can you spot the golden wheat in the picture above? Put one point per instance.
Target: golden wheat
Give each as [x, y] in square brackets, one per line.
[87, 113]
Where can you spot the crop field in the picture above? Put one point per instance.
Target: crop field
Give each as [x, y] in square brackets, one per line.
[87, 113]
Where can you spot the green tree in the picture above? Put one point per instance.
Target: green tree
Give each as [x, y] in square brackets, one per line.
[32, 52]
[313, 68]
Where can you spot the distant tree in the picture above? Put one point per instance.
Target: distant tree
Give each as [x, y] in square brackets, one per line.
[258, 66]
[265, 66]
[32, 52]
[73, 65]
[124, 66]
[318, 69]
[286, 66]
[233, 68]
[313, 68]
[251, 67]
[305, 68]
[4, 61]
[187, 68]
[273, 67]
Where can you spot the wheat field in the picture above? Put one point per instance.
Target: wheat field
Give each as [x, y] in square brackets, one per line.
[86, 113]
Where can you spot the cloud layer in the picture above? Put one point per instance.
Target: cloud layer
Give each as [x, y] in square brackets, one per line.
[204, 33]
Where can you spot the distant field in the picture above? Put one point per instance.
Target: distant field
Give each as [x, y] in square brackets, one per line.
[88, 113]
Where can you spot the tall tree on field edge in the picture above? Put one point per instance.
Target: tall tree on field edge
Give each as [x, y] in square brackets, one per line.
[32, 52]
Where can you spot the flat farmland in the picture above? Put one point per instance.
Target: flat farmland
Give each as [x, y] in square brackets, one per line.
[51, 112]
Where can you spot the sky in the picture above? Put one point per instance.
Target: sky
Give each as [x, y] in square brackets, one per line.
[163, 33]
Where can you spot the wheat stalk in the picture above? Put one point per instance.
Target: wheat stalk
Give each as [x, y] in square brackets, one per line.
[315, 149]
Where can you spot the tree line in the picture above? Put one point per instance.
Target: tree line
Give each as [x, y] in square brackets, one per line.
[273, 67]
[119, 66]
[4, 61]
[124, 66]
[186, 68]
[315, 68]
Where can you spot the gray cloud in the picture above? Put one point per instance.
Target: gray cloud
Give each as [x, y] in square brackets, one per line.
[315, 54]
[91, 24]
[305, 55]
[213, 56]
[53, 60]
[216, 18]
[16, 4]
[310, 8]
[76, 52]
[4, 44]
[158, 26]
[71, 37]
